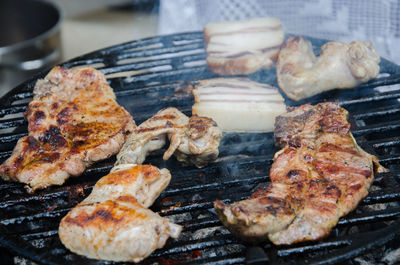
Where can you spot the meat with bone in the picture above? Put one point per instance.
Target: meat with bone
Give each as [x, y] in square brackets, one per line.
[113, 222]
[318, 176]
[242, 47]
[73, 121]
[341, 65]
[238, 104]
[194, 140]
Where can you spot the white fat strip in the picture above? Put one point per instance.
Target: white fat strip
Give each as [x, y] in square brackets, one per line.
[242, 105]
[236, 43]
[233, 83]
[238, 104]
[230, 26]
[241, 117]
[220, 97]
[263, 53]
[236, 89]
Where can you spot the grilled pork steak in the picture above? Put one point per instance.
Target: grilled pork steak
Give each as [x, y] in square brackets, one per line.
[73, 121]
[319, 175]
[113, 222]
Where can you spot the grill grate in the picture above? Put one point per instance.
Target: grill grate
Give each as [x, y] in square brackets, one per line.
[154, 73]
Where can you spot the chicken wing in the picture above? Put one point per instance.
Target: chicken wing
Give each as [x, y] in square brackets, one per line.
[341, 65]
[193, 140]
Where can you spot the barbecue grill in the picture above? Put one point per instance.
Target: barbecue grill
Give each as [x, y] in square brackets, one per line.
[158, 72]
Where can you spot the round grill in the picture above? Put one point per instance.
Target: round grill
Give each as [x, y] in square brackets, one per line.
[158, 72]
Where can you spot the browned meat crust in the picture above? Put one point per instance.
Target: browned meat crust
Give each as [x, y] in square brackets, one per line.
[318, 176]
[113, 222]
[73, 121]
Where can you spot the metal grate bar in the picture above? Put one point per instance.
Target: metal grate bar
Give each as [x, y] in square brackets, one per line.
[4, 155]
[135, 66]
[12, 110]
[196, 245]
[314, 247]
[387, 142]
[359, 245]
[391, 110]
[389, 160]
[378, 128]
[372, 98]
[393, 79]
[7, 137]
[4, 124]
[159, 51]
[371, 216]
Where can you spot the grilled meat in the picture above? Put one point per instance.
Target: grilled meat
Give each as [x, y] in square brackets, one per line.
[194, 140]
[341, 65]
[73, 121]
[318, 176]
[113, 223]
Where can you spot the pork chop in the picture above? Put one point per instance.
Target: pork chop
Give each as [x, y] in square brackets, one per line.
[113, 222]
[318, 176]
[73, 121]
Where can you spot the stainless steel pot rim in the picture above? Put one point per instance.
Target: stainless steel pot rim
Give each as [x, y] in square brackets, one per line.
[29, 42]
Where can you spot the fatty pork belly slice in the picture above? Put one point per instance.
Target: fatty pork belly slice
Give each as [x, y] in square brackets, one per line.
[238, 104]
[242, 47]
[113, 222]
[193, 140]
[73, 121]
[320, 175]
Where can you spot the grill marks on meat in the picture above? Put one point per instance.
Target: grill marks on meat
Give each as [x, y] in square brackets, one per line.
[113, 222]
[319, 175]
[193, 140]
[73, 121]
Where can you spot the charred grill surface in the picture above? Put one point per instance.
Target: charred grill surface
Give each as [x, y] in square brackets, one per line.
[151, 74]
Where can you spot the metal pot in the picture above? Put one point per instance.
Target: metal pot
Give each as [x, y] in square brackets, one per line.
[29, 40]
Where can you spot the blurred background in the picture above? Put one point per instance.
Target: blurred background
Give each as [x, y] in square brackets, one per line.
[90, 22]
[37, 34]
[94, 24]
[89, 25]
